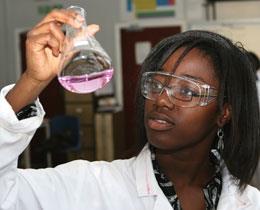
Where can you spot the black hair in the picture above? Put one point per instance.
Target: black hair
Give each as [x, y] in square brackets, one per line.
[254, 60]
[237, 88]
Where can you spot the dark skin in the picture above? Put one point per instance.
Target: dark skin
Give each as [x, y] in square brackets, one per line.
[183, 136]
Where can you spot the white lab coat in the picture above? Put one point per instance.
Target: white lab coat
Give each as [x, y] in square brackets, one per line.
[80, 185]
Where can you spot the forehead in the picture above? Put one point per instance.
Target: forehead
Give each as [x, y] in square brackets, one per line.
[195, 65]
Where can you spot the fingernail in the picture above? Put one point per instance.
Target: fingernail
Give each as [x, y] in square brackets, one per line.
[80, 18]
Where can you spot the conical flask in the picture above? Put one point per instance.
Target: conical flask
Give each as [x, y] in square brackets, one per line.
[85, 66]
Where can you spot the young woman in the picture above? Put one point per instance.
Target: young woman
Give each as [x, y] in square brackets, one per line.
[199, 131]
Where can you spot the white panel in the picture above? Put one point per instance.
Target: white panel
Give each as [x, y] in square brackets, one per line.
[238, 10]
[194, 10]
[246, 32]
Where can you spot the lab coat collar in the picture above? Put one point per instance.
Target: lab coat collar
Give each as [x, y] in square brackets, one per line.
[231, 195]
[145, 180]
[147, 185]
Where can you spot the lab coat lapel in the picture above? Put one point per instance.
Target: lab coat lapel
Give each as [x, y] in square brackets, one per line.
[231, 198]
[162, 203]
[146, 182]
[153, 197]
[145, 179]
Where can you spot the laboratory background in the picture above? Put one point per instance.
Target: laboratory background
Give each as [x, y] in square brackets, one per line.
[101, 125]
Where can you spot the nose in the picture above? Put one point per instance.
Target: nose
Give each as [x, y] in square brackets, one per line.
[163, 100]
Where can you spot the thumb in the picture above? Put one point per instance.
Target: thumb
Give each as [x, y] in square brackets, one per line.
[93, 29]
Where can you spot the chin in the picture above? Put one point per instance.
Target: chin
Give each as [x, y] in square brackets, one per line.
[164, 145]
[160, 138]
[167, 143]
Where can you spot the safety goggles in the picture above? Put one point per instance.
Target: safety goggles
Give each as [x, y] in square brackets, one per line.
[182, 91]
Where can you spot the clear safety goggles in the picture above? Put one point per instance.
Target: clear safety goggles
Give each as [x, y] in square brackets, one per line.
[182, 91]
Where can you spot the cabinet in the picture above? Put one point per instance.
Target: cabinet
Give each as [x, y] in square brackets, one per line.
[82, 106]
[109, 135]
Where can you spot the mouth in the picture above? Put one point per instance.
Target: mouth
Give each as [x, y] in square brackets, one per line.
[159, 122]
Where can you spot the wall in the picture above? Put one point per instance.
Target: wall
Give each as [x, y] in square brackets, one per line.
[194, 10]
[3, 47]
[238, 10]
[238, 20]
[2, 44]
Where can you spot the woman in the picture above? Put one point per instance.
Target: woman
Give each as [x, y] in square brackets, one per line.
[199, 131]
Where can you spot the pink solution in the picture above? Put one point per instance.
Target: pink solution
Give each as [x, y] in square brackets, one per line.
[86, 83]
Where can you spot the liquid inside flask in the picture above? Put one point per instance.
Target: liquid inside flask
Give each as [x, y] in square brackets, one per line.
[86, 67]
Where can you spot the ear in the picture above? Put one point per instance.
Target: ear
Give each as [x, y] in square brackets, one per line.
[225, 115]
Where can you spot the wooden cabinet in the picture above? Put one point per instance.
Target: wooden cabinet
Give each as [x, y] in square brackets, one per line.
[82, 106]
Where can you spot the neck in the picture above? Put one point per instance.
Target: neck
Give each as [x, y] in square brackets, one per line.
[186, 168]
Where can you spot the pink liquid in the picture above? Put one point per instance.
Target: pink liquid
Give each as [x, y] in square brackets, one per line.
[86, 83]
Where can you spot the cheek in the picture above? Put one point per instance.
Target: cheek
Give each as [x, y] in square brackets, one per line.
[191, 125]
[197, 123]
[148, 106]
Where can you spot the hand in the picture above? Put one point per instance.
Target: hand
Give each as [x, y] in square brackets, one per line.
[45, 42]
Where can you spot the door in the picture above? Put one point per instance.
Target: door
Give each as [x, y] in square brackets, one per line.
[130, 69]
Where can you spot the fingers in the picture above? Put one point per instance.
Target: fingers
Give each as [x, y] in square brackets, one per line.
[64, 17]
[51, 25]
[49, 32]
[40, 41]
[93, 29]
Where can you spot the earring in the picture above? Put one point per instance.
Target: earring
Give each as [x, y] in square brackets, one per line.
[220, 134]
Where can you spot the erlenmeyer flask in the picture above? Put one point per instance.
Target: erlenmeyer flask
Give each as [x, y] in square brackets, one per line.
[86, 67]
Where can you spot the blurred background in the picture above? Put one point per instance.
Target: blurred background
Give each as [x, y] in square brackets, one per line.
[101, 125]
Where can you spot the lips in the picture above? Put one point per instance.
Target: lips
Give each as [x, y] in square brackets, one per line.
[159, 122]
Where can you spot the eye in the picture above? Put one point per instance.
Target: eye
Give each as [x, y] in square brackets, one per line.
[154, 85]
[185, 93]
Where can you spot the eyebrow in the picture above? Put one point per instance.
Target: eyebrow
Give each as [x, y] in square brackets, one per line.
[187, 76]
[194, 78]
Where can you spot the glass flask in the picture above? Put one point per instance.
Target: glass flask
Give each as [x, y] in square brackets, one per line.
[85, 66]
